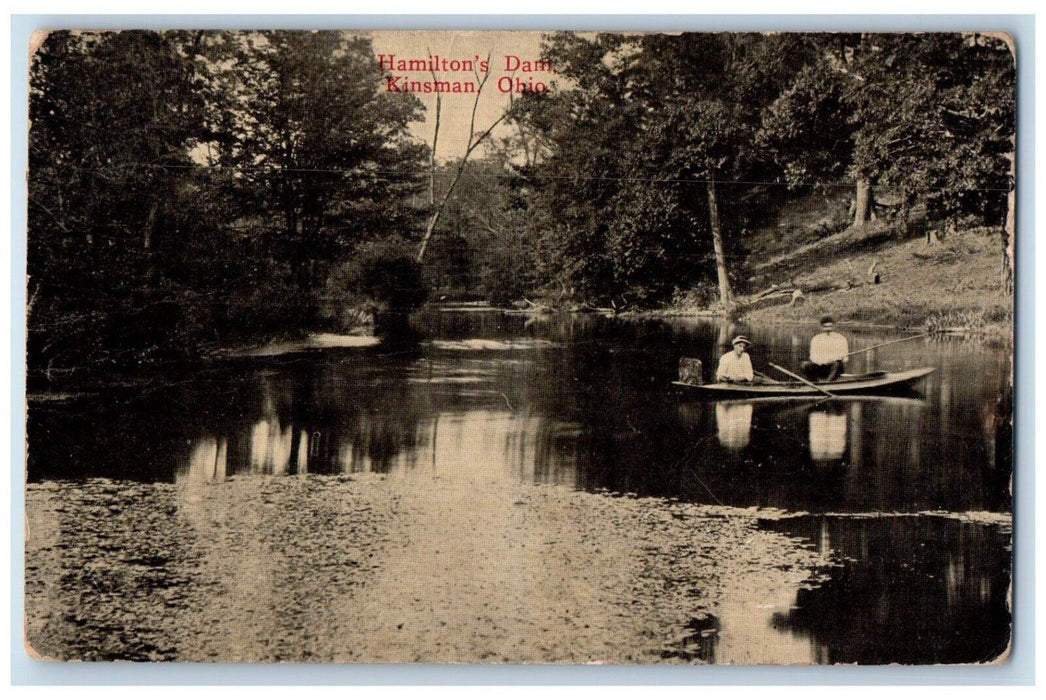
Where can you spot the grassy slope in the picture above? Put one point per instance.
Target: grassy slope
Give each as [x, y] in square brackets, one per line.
[956, 283]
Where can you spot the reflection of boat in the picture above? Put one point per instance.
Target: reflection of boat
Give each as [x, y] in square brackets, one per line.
[847, 384]
[897, 397]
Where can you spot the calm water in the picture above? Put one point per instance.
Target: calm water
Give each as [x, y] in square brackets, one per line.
[582, 401]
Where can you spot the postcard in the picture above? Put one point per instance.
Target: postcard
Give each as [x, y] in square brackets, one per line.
[520, 347]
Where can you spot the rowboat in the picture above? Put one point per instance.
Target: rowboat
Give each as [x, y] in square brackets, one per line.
[872, 383]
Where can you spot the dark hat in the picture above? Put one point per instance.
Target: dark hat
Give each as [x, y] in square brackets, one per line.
[826, 320]
[741, 339]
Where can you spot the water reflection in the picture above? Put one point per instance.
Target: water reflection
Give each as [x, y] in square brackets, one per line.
[582, 401]
[270, 447]
[910, 590]
[749, 634]
[734, 423]
[208, 460]
[574, 400]
[828, 430]
[472, 444]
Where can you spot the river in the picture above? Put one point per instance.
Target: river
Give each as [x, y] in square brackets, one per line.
[906, 500]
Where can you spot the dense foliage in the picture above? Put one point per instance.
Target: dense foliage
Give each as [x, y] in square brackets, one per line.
[655, 141]
[189, 188]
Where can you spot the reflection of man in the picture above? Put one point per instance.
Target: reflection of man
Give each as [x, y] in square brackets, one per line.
[827, 435]
[736, 366]
[828, 351]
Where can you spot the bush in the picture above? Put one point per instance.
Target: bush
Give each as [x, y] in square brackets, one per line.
[700, 296]
[383, 276]
[503, 280]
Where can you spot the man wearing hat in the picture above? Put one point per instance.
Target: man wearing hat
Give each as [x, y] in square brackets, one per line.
[828, 351]
[736, 366]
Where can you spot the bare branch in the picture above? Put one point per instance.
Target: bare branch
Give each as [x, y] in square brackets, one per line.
[473, 143]
[475, 106]
[435, 135]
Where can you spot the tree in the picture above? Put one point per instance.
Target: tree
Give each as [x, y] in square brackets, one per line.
[323, 158]
[806, 131]
[188, 185]
[114, 116]
[929, 115]
[644, 137]
[484, 242]
[475, 139]
[587, 125]
[715, 88]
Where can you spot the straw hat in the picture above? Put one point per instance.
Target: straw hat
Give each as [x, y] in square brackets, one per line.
[741, 339]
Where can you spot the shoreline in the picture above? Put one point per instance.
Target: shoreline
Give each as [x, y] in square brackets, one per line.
[990, 332]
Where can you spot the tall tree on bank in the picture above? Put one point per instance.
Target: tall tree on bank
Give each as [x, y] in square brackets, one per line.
[652, 127]
[111, 189]
[943, 129]
[320, 150]
[589, 126]
[927, 115]
[714, 88]
[475, 140]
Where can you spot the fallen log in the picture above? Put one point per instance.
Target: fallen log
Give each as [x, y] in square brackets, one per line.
[773, 289]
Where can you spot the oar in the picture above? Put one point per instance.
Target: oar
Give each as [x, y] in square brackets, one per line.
[902, 340]
[804, 381]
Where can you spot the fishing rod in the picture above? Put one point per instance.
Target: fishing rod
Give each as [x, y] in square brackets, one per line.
[892, 342]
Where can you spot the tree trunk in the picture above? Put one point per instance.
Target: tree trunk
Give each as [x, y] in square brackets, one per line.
[726, 296]
[434, 219]
[432, 155]
[150, 223]
[473, 142]
[862, 202]
[1009, 229]
[906, 213]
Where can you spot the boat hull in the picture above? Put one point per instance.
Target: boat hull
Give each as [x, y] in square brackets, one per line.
[890, 381]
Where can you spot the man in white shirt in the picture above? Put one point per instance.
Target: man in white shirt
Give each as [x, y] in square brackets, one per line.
[828, 352]
[736, 366]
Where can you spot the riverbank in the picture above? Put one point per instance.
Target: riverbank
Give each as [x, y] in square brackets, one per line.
[371, 568]
[949, 285]
[955, 283]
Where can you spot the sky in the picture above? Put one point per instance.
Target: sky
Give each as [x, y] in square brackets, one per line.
[457, 108]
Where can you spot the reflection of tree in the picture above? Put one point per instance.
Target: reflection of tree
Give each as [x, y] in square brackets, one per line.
[316, 417]
[590, 411]
[208, 460]
[912, 591]
[892, 470]
[999, 431]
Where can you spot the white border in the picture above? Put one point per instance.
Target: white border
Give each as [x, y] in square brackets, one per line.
[20, 670]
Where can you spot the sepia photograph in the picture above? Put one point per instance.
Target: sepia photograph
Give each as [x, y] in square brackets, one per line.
[519, 347]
